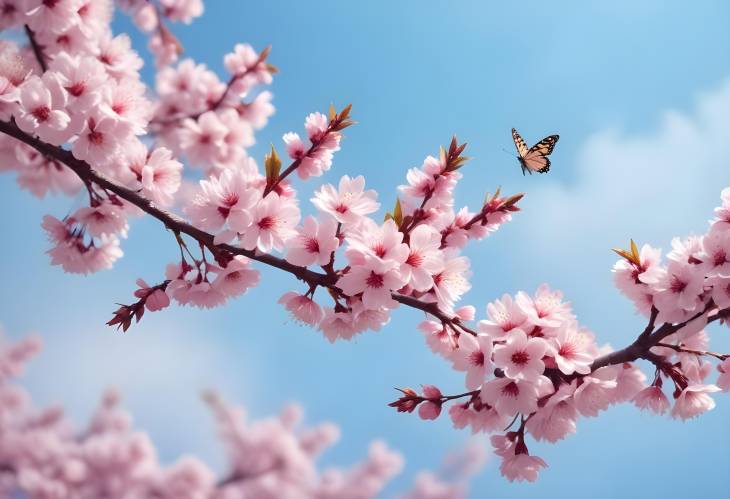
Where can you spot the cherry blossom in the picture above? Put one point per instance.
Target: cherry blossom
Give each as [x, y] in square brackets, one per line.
[99, 140]
[348, 204]
[375, 279]
[302, 308]
[571, 351]
[473, 355]
[273, 223]
[512, 396]
[652, 398]
[314, 242]
[693, 401]
[228, 198]
[521, 357]
[42, 110]
[505, 315]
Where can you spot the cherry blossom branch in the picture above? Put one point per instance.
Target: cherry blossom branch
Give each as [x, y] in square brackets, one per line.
[337, 123]
[220, 100]
[639, 349]
[431, 395]
[170, 220]
[37, 49]
[680, 349]
[433, 309]
[176, 224]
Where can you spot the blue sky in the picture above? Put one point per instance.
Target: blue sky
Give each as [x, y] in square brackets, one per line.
[639, 92]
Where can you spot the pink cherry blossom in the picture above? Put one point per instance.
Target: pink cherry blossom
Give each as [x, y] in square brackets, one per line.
[78, 114]
[105, 218]
[182, 10]
[295, 147]
[546, 309]
[512, 396]
[52, 16]
[274, 221]
[75, 255]
[83, 78]
[632, 279]
[720, 290]
[505, 315]
[42, 109]
[595, 393]
[425, 259]
[348, 204]
[99, 140]
[202, 139]
[314, 243]
[258, 111]
[125, 100]
[155, 299]
[302, 308]
[366, 318]
[687, 250]
[722, 213]
[40, 175]
[160, 176]
[245, 61]
[716, 245]
[73, 40]
[431, 408]
[117, 56]
[337, 325]
[652, 398]
[236, 277]
[571, 348]
[723, 381]
[521, 357]
[460, 415]
[522, 467]
[473, 355]
[693, 401]
[375, 279]
[439, 338]
[453, 281]
[557, 418]
[383, 242]
[679, 289]
[189, 286]
[422, 184]
[630, 380]
[228, 198]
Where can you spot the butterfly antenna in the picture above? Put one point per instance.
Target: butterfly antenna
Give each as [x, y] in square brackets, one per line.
[507, 152]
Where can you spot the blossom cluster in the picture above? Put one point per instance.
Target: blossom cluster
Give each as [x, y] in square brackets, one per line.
[697, 272]
[43, 456]
[78, 85]
[413, 254]
[532, 365]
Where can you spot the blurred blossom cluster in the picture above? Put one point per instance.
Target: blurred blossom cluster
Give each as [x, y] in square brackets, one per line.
[44, 456]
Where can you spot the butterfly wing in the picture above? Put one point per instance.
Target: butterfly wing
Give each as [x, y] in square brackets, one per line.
[536, 157]
[520, 143]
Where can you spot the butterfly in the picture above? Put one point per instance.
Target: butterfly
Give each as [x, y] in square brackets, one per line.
[535, 158]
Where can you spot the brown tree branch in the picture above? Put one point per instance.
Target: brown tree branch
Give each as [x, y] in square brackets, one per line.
[640, 349]
[220, 100]
[37, 49]
[176, 224]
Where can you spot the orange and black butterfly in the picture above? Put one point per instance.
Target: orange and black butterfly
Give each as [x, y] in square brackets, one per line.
[535, 158]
